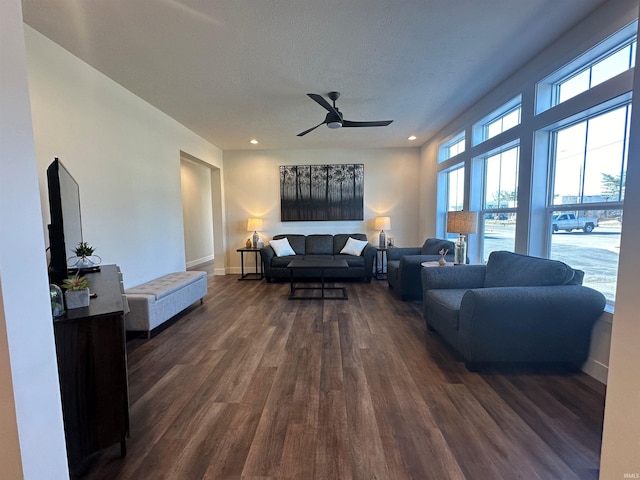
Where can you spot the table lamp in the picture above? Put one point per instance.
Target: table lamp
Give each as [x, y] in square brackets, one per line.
[382, 224]
[462, 223]
[254, 225]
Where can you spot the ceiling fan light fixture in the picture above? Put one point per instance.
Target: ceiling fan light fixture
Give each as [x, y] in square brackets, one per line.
[334, 125]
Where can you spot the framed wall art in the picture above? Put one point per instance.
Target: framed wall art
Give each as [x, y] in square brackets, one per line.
[321, 192]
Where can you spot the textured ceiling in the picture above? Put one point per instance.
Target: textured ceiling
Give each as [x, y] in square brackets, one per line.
[234, 70]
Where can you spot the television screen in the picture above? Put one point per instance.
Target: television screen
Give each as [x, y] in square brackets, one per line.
[65, 230]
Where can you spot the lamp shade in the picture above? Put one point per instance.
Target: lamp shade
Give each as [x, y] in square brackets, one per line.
[462, 222]
[382, 223]
[254, 225]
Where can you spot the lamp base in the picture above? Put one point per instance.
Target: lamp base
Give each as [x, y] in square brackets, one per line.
[382, 242]
[256, 239]
[460, 251]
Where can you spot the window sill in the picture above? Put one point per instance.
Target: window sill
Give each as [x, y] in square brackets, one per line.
[607, 316]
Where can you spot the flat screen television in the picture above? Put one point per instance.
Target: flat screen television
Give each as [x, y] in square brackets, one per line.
[65, 229]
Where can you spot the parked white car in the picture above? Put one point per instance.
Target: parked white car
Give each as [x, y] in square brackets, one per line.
[569, 222]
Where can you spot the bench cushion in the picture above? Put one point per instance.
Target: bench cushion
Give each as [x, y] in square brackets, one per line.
[167, 284]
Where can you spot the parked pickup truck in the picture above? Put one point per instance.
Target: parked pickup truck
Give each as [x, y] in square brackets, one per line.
[568, 222]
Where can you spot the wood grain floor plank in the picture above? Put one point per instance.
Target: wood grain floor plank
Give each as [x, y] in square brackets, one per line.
[251, 385]
[333, 452]
[367, 452]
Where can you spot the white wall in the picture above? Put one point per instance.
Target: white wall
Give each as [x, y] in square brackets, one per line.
[124, 153]
[32, 442]
[621, 435]
[252, 185]
[197, 212]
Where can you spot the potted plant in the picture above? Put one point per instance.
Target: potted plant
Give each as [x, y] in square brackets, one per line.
[84, 253]
[76, 293]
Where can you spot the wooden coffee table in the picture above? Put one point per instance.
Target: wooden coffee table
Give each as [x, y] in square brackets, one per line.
[316, 264]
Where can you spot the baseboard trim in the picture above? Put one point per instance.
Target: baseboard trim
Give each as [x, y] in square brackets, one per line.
[597, 370]
[199, 261]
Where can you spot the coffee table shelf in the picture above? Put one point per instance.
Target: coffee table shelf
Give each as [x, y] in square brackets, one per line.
[316, 264]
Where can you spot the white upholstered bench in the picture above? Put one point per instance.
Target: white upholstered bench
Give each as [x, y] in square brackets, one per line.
[155, 302]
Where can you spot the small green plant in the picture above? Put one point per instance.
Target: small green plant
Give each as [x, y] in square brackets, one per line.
[84, 250]
[75, 283]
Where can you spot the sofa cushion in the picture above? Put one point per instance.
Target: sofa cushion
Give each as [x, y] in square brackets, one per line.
[282, 262]
[319, 244]
[445, 304]
[282, 247]
[432, 246]
[352, 260]
[354, 247]
[296, 241]
[507, 269]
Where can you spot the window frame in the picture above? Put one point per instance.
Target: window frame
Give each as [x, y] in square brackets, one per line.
[480, 128]
[444, 151]
[546, 90]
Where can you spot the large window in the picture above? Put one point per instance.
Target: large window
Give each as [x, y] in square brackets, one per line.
[500, 200]
[586, 195]
[455, 189]
[455, 193]
[568, 165]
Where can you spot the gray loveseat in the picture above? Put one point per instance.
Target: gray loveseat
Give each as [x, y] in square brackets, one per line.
[404, 266]
[319, 246]
[516, 308]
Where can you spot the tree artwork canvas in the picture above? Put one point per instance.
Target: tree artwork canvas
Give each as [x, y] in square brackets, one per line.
[321, 192]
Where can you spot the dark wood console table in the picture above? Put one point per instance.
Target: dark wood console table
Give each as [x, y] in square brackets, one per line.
[92, 369]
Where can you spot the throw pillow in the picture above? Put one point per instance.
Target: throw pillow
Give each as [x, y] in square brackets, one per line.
[354, 247]
[282, 247]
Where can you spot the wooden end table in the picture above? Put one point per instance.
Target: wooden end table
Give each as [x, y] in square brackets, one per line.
[258, 274]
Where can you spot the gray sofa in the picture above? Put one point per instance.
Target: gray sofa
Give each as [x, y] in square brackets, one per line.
[404, 266]
[319, 246]
[514, 309]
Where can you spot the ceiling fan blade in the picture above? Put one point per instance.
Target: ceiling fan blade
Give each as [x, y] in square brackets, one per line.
[320, 100]
[382, 123]
[302, 134]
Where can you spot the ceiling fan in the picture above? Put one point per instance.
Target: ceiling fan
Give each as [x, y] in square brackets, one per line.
[334, 118]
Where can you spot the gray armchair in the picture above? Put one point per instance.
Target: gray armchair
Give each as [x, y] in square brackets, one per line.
[404, 266]
[515, 308]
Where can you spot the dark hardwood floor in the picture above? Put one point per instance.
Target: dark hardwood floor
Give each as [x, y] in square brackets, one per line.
[252, 385]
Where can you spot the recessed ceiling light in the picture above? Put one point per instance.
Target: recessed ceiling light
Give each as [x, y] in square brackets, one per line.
[253, 141]
[412, 138]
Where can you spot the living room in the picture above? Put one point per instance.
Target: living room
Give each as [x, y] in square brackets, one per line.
[131, 197]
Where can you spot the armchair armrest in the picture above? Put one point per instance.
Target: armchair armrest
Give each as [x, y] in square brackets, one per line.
[525, 324]
[455, 277]
[369, 254]
[267, 253]
[396, 253]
